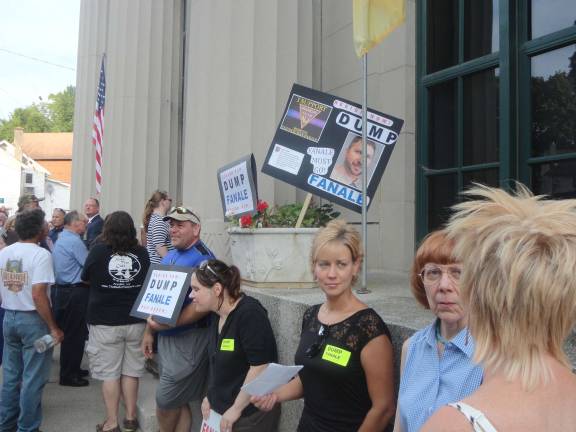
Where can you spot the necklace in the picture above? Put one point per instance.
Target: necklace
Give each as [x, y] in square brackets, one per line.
[439, 338]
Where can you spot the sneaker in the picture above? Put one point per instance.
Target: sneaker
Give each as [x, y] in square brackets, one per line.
[130, 425]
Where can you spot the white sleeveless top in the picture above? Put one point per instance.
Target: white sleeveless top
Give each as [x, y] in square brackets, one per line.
[476, 418]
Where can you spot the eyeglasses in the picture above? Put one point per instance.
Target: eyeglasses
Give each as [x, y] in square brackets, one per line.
[432, 275]
[316, 347]
[184, 210]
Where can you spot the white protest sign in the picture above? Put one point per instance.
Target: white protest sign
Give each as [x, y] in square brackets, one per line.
[237, 184]
[212, 423]
[163, 293]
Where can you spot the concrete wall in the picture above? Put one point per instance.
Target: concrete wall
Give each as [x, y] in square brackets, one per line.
[241, 58]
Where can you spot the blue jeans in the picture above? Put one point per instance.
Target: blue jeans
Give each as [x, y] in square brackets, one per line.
[25, 372]
[1, 334]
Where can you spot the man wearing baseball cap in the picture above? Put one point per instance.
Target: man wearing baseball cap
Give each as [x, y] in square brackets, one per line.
[182, 350]
[28, 202]
[25, 202]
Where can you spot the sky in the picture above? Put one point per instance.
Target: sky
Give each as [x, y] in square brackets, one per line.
[45, 30]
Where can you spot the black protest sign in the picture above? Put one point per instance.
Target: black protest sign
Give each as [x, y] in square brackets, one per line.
[318, 146]
[238, 187]
[163, 293]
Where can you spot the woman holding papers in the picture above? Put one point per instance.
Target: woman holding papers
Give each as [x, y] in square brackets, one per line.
[347, 381]
[241, 347]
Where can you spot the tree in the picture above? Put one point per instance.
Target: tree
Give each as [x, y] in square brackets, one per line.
[31, 118]
[61, 110]
[56, 115]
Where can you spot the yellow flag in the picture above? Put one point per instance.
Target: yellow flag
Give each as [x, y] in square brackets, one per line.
[373, 20]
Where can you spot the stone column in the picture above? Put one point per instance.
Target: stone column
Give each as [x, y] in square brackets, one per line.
[142, 40]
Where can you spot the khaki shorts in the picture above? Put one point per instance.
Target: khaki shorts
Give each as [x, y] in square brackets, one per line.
[114, 351]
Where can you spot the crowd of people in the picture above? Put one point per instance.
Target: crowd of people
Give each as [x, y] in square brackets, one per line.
[498, 279]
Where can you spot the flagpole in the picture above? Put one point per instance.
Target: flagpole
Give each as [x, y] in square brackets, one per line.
[363, 288]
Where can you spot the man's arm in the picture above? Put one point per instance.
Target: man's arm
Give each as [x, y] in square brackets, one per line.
[80, 252]
[42, 304]
[188, 315]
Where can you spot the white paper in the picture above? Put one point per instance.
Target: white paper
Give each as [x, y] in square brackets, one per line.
[273, 377]
[212, 424]
[286, 159]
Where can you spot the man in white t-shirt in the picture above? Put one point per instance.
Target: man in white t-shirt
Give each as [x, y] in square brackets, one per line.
[25, 276]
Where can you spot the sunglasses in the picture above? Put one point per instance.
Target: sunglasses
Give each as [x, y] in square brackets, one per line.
[184, 210]
[314, 349]
[210, 273]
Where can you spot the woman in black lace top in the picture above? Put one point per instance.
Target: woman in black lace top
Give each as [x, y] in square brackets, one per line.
[347, 381]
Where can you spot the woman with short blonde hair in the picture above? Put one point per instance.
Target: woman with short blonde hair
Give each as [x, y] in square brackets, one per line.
[519, 253]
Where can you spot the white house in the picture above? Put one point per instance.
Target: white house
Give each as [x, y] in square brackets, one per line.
[20, 174]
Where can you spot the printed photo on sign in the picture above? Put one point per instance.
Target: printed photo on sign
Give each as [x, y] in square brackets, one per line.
[286, 159]
[163, 293]
[348, 167]
[306, 118]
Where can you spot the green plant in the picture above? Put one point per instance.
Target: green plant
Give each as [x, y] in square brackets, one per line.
[285, 216]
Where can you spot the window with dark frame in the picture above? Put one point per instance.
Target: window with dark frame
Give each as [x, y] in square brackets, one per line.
[496, 86]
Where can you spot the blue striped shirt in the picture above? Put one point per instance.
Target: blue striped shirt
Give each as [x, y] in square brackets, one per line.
[429, 381]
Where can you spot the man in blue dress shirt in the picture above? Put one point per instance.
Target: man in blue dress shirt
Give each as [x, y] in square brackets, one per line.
[71, 298]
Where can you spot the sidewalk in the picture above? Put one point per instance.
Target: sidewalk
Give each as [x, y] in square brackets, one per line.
[80, 409]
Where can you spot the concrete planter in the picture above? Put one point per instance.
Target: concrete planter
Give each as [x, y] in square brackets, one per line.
[273, 257]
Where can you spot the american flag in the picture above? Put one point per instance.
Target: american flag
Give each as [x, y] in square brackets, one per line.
[98, 126]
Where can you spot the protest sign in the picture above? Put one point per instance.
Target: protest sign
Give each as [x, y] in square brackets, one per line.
[238, 188]
[212, 423]
[163, 293]
[318, 147]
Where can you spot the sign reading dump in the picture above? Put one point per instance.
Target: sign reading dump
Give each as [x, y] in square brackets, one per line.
[237, 183]
[318, 147]
[163, 293]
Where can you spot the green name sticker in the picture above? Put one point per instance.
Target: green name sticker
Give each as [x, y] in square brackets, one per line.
[227, 345]
[336, 355]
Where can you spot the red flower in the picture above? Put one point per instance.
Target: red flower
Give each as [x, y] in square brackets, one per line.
[246, 221]
[261, 206]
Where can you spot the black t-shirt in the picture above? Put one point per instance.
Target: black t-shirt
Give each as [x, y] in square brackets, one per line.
[115, 281]
[246, 340]
[336, 395]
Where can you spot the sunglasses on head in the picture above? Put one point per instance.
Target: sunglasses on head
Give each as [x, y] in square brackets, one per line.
[314, 349]
[184, 210]
[209, 271]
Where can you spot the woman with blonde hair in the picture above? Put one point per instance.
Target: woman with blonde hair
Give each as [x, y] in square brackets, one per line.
[157, 231]
[518, 252]
[347, 381]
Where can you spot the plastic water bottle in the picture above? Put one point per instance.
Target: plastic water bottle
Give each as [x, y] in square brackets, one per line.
[44, 343]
